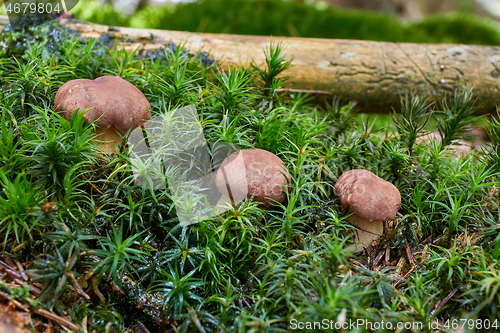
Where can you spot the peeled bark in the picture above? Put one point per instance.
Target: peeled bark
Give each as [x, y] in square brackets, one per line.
[375, 74]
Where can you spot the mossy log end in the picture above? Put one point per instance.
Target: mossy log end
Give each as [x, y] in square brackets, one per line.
[375, 74]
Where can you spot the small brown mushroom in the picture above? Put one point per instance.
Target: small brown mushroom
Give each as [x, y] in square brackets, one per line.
[253, 172]
[116, 105]
[371, 201]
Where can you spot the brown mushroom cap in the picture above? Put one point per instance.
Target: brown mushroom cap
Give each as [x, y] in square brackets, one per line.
[367, 195]
[254, 172]
[115, 102]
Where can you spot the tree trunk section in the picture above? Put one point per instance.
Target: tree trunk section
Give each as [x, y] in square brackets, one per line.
[375, 74]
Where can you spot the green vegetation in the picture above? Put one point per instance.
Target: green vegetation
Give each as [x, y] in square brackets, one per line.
[292, 18]
[103, 251]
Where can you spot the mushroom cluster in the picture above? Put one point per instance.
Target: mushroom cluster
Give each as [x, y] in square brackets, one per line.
[371, 200]
[253, 173]
[115, 104]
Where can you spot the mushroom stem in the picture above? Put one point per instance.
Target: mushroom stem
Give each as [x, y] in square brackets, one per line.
[108, 139]
[366, 231]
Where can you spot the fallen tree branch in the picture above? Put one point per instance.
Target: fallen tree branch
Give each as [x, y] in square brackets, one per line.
[16, 303]
[375, 74]
[61, 321]
[441, 303]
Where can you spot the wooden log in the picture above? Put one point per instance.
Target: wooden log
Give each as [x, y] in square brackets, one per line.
[375, 74]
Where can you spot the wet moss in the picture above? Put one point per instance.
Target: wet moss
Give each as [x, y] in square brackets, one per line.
[39, 30]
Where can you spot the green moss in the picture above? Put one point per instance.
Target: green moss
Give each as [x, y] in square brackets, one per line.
[83, 224]
[291, 18]
[28, 31]
[95, 11]
[460, 28]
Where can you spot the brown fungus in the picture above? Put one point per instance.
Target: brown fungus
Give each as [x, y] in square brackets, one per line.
[371, 201]
[253, 172]
[115, 105]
